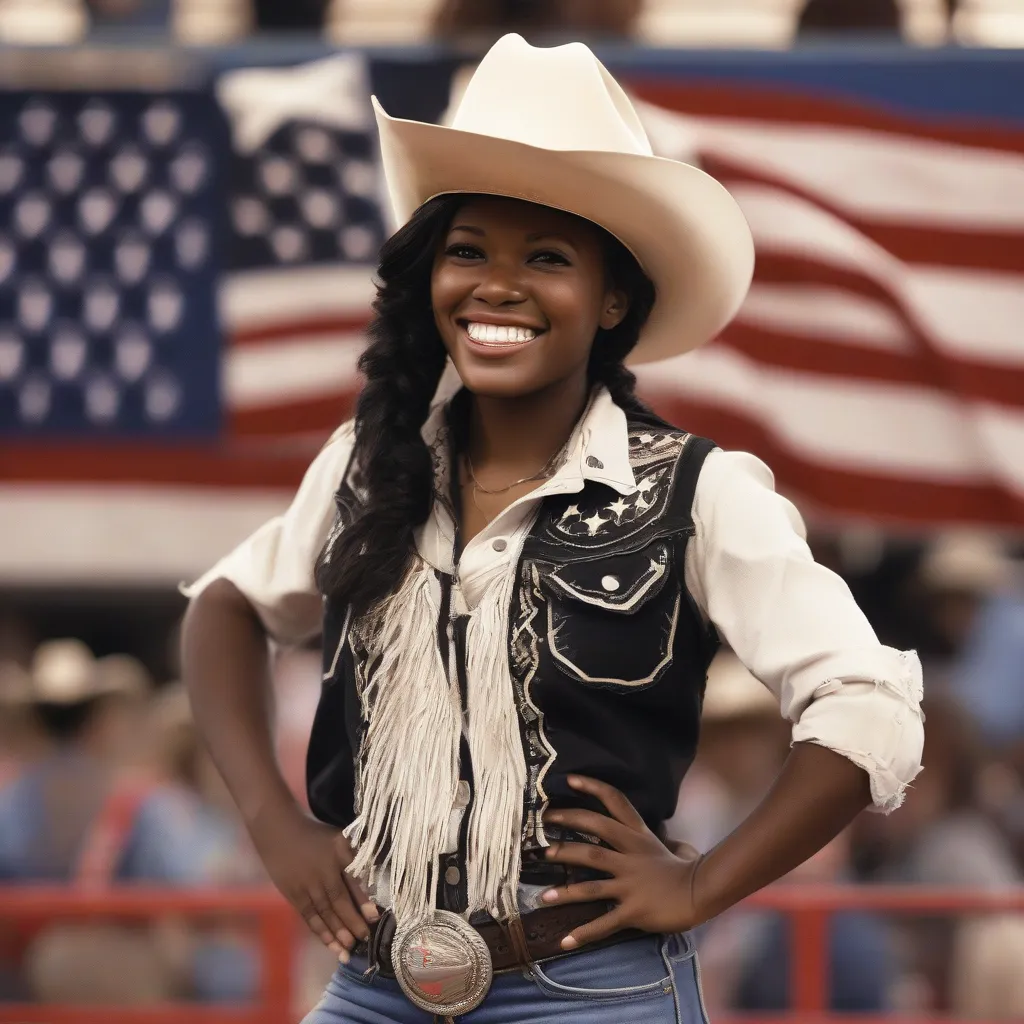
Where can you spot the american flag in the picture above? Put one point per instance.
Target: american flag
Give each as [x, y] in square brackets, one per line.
[222, 275]
[878, 362]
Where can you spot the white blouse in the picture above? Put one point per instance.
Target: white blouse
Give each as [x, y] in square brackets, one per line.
[792, 622]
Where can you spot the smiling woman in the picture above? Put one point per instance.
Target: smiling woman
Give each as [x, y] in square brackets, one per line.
[521, 575]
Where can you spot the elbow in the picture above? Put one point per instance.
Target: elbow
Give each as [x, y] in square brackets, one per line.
[879, 726]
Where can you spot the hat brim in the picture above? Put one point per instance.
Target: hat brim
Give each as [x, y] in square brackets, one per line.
[686, 230]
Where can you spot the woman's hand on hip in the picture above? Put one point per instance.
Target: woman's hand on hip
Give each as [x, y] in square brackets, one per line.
[651, 885]
[306, 860]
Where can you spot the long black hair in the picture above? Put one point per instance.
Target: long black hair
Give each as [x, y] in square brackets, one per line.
[402, 367]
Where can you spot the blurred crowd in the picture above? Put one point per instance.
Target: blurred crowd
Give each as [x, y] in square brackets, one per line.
[102, 780]
[651, 22]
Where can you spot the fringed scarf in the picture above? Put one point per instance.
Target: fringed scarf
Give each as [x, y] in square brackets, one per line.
[410, 754]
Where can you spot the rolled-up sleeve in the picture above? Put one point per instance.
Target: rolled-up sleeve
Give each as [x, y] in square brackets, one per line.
[795, 625]
[274, 567]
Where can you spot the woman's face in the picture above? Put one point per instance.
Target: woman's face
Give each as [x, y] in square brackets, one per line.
[518, 292]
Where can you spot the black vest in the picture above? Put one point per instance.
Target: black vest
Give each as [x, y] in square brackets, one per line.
[608, 652]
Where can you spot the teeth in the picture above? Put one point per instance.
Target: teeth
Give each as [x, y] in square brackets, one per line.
[494, 335]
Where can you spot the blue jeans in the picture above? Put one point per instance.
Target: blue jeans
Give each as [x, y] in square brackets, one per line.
[650, 980]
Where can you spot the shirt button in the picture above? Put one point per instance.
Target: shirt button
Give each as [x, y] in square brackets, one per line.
[610, 582]
[499, 544]
[453, 876]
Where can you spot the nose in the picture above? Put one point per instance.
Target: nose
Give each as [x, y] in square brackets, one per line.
[499, 285]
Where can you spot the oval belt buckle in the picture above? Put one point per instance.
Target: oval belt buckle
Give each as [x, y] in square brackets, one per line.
[442, 964]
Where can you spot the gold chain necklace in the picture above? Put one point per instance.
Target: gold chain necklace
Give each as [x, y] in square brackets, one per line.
[544, 473]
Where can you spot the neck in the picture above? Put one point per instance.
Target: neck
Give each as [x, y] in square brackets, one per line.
[524, 432]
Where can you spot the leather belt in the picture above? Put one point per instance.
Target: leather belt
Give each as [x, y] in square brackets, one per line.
[542, 930]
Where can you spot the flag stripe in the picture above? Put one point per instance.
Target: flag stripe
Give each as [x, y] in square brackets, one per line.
[772, 104]
[833, 488]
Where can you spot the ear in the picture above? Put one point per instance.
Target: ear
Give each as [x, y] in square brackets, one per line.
[614, 308]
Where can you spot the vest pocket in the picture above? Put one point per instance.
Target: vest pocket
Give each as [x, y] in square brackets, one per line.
[611, 621]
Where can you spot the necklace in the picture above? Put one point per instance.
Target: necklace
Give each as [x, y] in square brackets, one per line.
[545, 472]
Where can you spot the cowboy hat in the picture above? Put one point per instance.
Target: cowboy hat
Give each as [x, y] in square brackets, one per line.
[65, 672]
[551, 126]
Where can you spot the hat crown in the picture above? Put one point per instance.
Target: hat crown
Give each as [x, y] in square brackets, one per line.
[559, 98]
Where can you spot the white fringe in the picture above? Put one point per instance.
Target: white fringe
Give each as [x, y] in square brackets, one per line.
[410, 763]
[494, 849]
[410, 753]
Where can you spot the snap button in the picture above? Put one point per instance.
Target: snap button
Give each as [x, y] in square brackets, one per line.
[453, 876]
[610, 582]
[499, 544]
[594, 463]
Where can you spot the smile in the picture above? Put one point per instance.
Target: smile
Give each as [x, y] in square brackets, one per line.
[499, 334]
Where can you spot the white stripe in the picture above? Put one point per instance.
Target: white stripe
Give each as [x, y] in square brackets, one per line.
[825, 314]
[972, 314]
[141, 535]
[881, 175]
[251, 298]
[291, 369]
[878, 427]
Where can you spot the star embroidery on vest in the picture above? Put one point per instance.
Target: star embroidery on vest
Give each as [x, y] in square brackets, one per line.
[642, 504]
[646, 485]
[594, 523]
[572, 510]
[618, 508]
[647, 439]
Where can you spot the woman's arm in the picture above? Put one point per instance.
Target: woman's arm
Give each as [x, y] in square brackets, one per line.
[817, 794]
[226, 667]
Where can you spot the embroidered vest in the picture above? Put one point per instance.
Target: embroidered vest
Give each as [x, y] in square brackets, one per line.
[608, 653]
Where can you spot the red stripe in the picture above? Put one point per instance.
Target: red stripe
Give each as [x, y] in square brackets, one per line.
[841, 491]
[772, 103]
[264, 466]
[955, 375]
[300, 327]
[911, 243]
[322, 414]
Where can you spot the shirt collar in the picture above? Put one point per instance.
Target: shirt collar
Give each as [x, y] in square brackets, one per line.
[598, 449]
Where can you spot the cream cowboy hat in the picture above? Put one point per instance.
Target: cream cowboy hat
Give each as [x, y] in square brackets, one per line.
[551, 126]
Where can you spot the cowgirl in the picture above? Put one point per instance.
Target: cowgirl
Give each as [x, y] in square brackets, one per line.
[521, 582]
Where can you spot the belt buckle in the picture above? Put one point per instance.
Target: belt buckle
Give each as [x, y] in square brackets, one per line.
[442, 964]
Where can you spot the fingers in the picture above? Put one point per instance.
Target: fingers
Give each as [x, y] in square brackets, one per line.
[615, 800]
[582, 892]
[586, 855]
[340, 924]
[316, 925]
[600, 825]
[366, 906]
[600, 928]
[344, 910]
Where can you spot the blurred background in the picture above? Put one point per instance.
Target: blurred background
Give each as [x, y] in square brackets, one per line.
[190, 208]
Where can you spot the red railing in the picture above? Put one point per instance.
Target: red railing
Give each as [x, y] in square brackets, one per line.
[809, 908]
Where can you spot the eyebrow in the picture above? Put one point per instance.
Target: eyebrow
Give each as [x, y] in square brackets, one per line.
[536, 237]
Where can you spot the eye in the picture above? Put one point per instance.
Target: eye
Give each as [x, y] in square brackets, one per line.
[551, 257]
[462, 251]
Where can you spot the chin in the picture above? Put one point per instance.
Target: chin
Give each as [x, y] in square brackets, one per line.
[496, 381]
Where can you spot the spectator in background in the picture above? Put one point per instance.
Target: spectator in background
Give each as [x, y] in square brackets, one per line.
[839, 17]
[302, 16]
[977, 604]
[941, 838]
[129, 14]
[486, 20]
